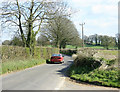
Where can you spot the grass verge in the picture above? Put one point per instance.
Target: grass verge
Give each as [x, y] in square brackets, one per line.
[14, 65]
[98, 77]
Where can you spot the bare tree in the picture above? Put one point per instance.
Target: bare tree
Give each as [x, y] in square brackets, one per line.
[27, 17]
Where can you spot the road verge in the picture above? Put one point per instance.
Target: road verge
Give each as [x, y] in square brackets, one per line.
[12, 66]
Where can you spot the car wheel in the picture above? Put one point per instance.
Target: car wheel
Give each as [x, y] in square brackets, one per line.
[61, 62]
[52, 62]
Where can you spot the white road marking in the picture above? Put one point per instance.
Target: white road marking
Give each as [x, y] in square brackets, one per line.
[60, 84]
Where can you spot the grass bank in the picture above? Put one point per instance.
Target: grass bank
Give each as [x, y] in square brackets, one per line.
[101, 70]
[108, 78]
[13, 65]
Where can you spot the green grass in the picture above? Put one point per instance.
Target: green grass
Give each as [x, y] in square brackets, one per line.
[98, 47]
[89, 46]
[109, 52]
[99, 77]
[49, 46]
[93, 46]
[70, 47]
[10, 66]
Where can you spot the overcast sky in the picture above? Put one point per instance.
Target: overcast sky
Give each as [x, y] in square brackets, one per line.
[100, 16]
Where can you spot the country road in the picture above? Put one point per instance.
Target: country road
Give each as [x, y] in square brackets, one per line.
[45, 77]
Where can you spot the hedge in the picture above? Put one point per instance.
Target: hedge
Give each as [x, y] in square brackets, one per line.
[16, 52]
[68, 52]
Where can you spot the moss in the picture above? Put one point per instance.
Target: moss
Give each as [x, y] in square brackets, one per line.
[27, 51]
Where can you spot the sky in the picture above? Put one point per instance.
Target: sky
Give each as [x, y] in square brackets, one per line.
[100, 17]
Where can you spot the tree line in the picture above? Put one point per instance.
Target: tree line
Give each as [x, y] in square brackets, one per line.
[103, 40]
[59, 32]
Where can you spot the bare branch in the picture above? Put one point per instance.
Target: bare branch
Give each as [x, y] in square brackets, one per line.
[12, 22]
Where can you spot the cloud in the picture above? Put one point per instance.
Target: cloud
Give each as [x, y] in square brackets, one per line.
[102, 23]
[102, 26]
[105, 9]
[101, 16]
[86, 3]
[93, 2]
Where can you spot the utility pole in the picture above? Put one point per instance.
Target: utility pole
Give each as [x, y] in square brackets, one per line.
[82, 34]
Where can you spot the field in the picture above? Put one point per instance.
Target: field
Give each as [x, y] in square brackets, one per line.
[89, 46]
[107, 54]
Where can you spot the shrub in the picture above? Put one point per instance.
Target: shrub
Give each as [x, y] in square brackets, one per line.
[89, 52]
[74, 56]
[83, 60]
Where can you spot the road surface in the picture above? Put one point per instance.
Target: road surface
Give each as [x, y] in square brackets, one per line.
[45, 77]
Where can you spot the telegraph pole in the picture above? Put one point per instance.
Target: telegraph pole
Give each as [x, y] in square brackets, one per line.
[82, 34]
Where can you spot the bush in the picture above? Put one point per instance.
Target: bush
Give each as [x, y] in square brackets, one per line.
[68, 52]
[89, 52]
[86, 61]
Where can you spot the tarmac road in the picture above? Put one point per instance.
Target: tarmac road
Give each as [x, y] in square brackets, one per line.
[45, 77]
[42, 77]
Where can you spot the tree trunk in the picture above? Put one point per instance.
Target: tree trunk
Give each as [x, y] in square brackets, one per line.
[30, 29]
[20, 25]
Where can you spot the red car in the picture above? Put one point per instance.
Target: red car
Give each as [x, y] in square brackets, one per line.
[57, 58]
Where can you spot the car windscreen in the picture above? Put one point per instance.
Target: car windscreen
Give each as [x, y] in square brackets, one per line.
[56, 55]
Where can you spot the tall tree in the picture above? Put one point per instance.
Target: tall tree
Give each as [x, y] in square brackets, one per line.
[91, 39]
[107, 41]
[118, 40]
[6, 42]
[16, 41]
[99, 39]
[61, 31]
[28, 17]
[43, 40]
[96, 39]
